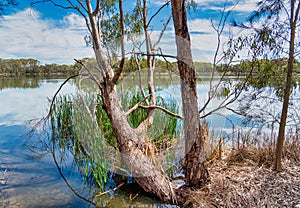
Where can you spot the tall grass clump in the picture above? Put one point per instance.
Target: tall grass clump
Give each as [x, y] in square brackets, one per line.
[165, 127]
[259, 149]
[74, 131]
[91, 140]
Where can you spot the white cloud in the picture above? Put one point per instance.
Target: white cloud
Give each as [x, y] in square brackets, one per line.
[246, 6]
[240, 5]
[18, 106]
[26, 35]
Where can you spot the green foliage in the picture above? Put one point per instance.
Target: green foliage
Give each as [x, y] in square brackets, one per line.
[33, 67]
[139, 115]
[266, 73]
[105, 124]
[73, 131]
[111, 25]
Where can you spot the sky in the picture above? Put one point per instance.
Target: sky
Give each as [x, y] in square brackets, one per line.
[54, 35]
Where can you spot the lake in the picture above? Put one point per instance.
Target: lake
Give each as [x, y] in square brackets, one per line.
[28, 179]
[31, 180]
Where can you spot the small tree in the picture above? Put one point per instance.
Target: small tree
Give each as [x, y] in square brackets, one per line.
[276, 27]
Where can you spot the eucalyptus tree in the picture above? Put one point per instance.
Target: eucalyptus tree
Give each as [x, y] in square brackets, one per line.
[276, 26]
[194, 162]
[133, 145]
[135, 148]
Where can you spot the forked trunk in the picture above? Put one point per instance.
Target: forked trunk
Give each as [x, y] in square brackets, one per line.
[132, 145]
[133, 150]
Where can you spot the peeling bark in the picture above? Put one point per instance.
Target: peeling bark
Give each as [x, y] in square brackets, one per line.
[133, 150]
[196, 174]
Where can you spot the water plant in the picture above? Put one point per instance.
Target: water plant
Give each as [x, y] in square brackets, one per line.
[73, 131]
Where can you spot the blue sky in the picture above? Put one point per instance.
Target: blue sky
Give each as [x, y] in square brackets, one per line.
[54, 35]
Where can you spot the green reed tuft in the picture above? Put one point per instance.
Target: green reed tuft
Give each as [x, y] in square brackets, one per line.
[92, 143]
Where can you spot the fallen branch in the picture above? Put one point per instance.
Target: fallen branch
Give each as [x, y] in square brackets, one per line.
[105, 192]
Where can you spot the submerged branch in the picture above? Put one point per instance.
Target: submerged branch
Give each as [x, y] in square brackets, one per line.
[66, 181]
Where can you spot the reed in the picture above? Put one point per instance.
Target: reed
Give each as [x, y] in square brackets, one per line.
[93, 144]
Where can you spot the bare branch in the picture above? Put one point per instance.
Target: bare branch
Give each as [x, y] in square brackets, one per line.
[140, 77]
[162, 109]
[56, 93]
[138, 105]
[162, 32]
[53, 2]
[97, 7]
[157, 12]
[81, 5]
[135, 106]
[157, 54]
[122, 63]
[89, 72]
[297, 13]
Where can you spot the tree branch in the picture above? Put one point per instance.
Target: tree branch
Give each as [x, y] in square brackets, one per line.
[162, 109]
[89, 72]
[135, 106]
[97, 8]
[157, 54]
[122, 63]
[157, 12]
[162, 32]
[51, 1]
[56, 93]
[140, 77]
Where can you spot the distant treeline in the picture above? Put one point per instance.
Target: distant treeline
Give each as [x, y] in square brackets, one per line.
[33, 67]
[263, 67]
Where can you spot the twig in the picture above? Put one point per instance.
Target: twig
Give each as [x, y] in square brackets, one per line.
[56, 93]
[105, 192]
[157, 12]
[51, 1]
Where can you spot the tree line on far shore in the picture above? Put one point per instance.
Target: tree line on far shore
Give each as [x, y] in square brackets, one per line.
[262, 68]
[31, 66]
[34, 67]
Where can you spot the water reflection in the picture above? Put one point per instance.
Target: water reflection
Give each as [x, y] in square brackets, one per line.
[46, 176]
[54, 175]
[27, 181]
[19, 105]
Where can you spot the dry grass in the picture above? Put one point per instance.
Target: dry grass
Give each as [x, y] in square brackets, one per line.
[245, 179]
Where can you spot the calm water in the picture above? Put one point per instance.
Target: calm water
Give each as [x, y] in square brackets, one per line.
[28, 179]
[25, 181]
